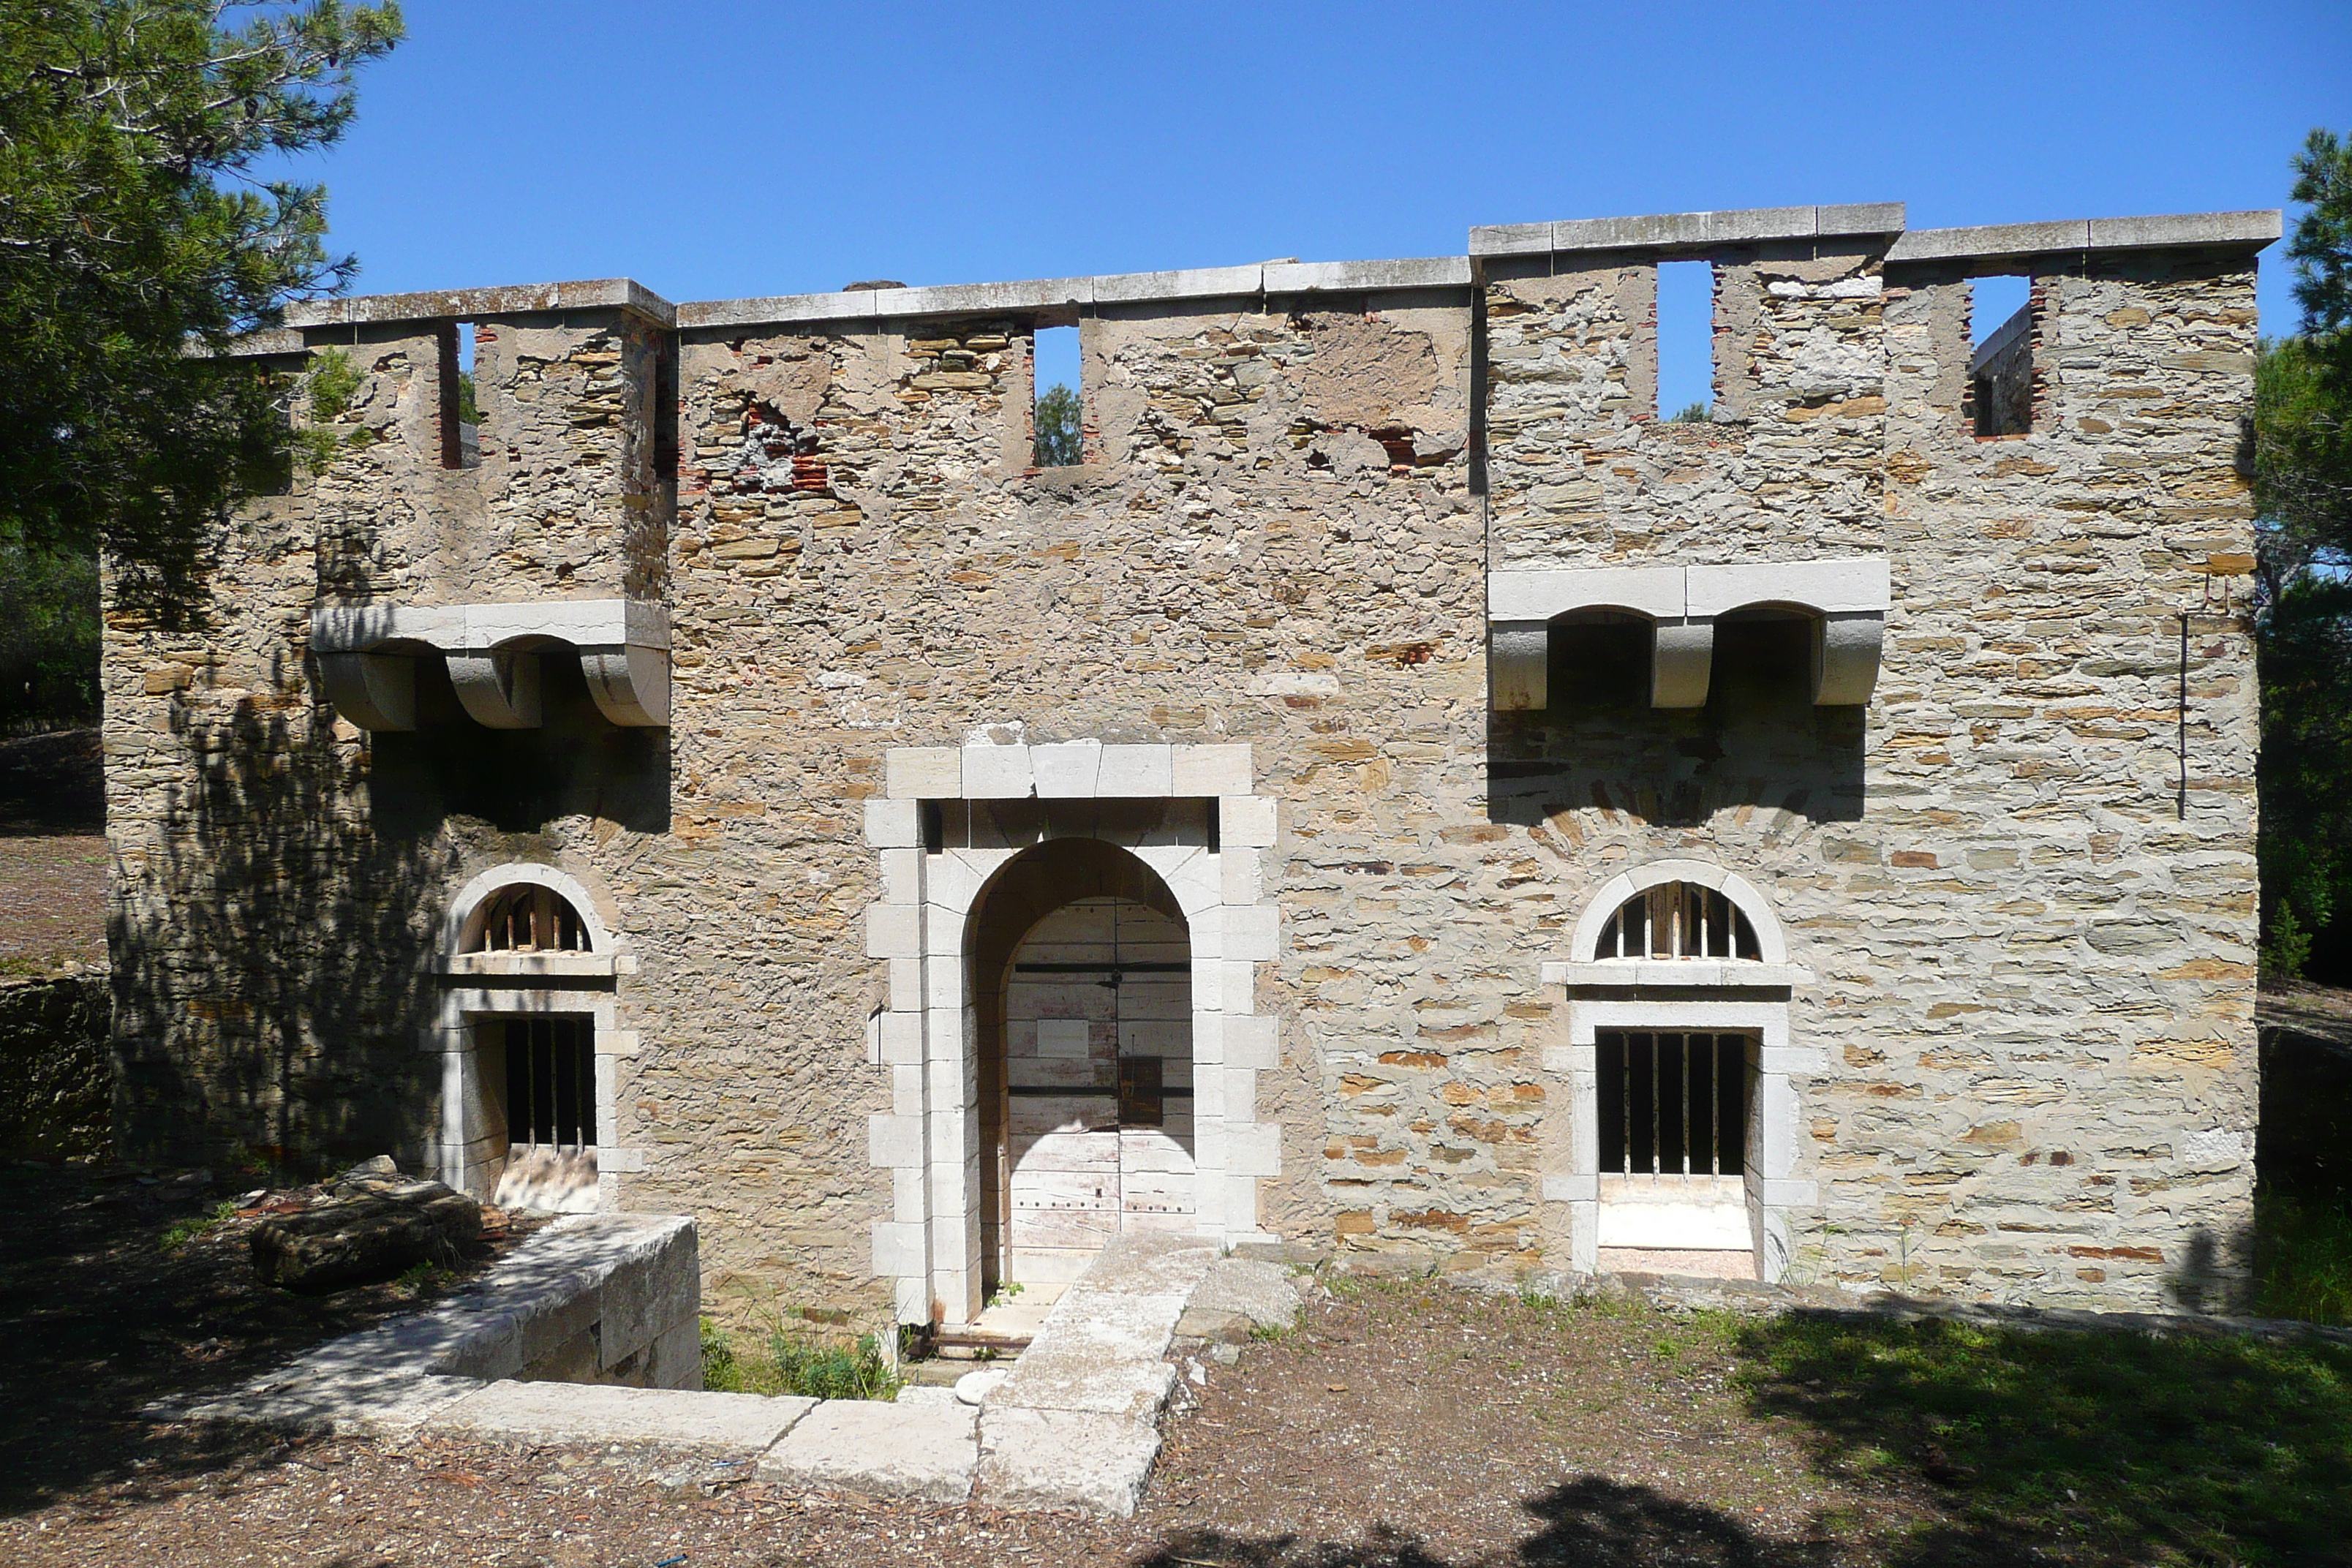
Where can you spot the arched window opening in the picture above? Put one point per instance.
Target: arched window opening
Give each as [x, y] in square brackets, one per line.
[531, 919]
[1678, 921]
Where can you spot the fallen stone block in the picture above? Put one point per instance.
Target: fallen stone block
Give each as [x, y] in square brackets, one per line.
[665, 1418]
[383, 1226]
[1237, 1295]
[923, 1450]
[1061, 1458]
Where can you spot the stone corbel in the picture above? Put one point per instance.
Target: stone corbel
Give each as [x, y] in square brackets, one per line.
[1846, 599]
[499, 687]
[630, 683]
[373, 690]
[1681, 660]
[1846, 647]
[366, 654]
[1518, 656]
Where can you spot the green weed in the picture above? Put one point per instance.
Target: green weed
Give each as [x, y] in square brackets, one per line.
[2303, 1259]
[181, 1232]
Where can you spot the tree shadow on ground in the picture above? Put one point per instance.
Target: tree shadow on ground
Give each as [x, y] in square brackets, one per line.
[2102, 1446]
[114, 1294]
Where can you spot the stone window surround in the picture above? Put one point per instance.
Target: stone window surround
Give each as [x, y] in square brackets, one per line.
[476, 988]
[929, 1139]
[1743, 997]
[367, 654]
[1846, 599]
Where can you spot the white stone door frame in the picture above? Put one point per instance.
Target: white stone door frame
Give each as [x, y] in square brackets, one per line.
[478, 987]
[1674, 996]
[929, 1139]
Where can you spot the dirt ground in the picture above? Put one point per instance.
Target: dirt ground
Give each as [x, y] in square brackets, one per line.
[53, 860]
[1410, 1425]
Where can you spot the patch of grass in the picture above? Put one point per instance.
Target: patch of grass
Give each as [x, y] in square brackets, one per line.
[181, 1232]
[2123, 1448]
[2303, 1257]
[794, 1362]
[420, 1281]
[832, 1371]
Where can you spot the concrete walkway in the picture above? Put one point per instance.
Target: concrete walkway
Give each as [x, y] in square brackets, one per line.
[1075, 1423]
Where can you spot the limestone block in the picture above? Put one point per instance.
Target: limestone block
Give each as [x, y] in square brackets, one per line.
[1253, 931]
[892, 1141]
[1247, 821]
[1061, 1458]
[1254, 1150]
[1209, 770]
[893, 824]
[1240, 874]
[1573, 1189]
[391, 1405]
[374, 691]
[924, 1450]
[898, 1248]
[1253, 1042]
[923, 773]
[894, 930]
[574, 1415]
[901, 1039]
[1138, 772]
[1682, 658]
[1067, 771]
[997, 773]
[500, 690]
[1354, 277]
[902, 875]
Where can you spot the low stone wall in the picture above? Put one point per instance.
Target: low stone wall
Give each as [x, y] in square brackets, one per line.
[56, 1077]
[594, 1299]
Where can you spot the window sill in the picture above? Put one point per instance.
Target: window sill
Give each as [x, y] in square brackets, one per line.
[1676, 973]
[527, 965]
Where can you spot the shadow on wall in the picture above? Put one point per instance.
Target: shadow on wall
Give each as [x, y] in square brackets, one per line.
[576, 763]
[268, 989]
[1759, 742]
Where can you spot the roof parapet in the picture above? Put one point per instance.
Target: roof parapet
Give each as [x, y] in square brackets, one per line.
[878, 305]
[1680, 231]
[2169, 231]
[511, 300]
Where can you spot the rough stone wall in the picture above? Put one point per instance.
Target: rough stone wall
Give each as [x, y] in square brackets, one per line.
[2035, 983]
[279, 878]
[56, 1077]
[2027, 967]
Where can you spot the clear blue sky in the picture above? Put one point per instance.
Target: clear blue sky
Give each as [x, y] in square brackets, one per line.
[716, 150]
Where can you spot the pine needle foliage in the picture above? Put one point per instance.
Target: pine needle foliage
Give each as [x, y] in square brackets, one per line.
[136, 235]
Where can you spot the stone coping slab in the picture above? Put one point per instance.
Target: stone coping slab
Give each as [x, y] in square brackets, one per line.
[1062, 1458]
[1860, 224]
[927, 1450]
[595, 1414]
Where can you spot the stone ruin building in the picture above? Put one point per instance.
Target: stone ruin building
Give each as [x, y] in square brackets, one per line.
[1399, 796]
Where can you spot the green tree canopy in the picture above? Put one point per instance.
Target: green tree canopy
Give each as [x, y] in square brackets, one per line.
[135, 235]
[1058, 443]
[2301, 461]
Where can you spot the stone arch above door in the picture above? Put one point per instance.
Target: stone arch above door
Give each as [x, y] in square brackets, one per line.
[938, 851]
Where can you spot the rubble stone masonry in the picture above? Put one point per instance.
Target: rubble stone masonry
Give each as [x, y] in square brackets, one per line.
[2027, 943]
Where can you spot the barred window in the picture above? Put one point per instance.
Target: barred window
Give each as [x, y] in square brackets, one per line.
[1673, 1103]
[531, 919]
[1678, 920]
[551, 1082]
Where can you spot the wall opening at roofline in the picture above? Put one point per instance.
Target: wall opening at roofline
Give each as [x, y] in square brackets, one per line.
[1687, 341]
[2003, 339]
[1058, 438]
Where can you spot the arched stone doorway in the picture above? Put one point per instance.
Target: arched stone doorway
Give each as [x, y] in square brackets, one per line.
[1081, 976]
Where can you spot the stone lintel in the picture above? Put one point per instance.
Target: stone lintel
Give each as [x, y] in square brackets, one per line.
[2232, 230]
[1675, 973]
[1690, 231]
[510, 300]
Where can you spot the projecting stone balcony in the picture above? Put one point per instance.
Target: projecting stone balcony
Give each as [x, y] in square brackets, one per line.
[368, 653]
[1846, 600]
